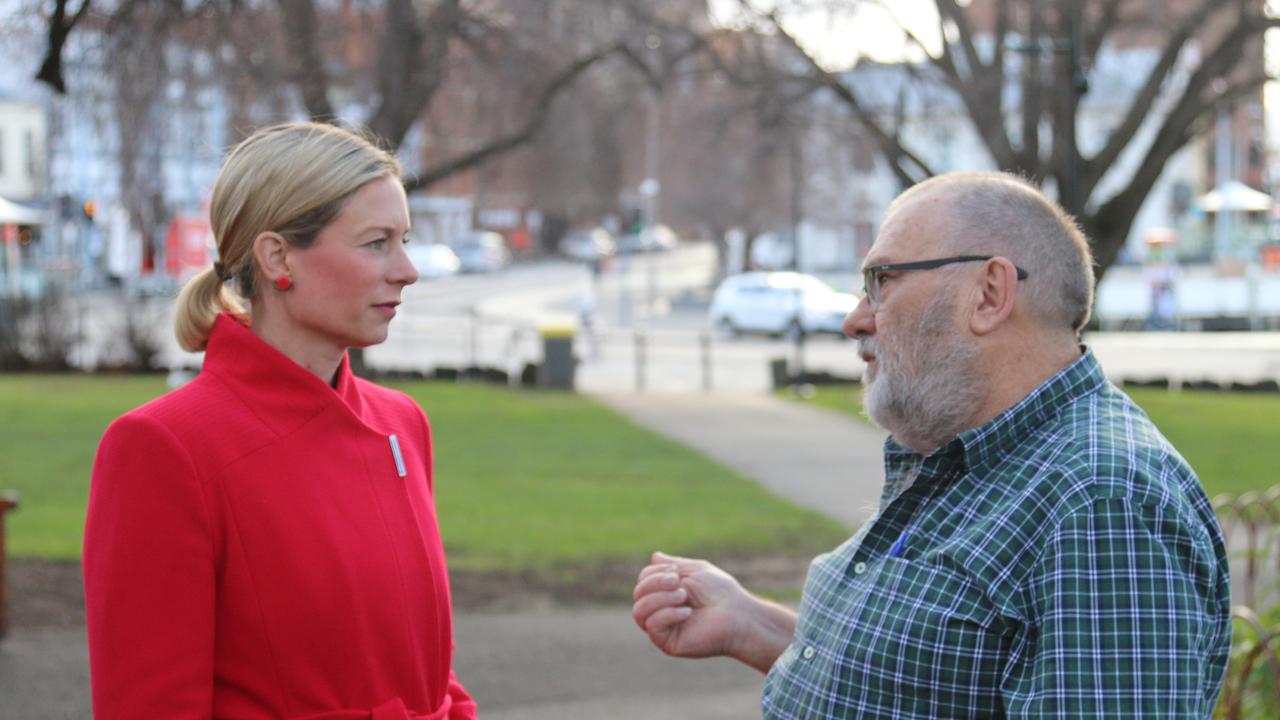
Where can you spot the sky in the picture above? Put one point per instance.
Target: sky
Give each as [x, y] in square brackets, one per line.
[839, 37]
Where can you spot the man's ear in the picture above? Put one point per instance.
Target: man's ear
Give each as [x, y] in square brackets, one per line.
[271, 251]
[997, 292]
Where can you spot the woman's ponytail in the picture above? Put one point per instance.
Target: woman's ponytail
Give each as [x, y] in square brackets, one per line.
[201, 299]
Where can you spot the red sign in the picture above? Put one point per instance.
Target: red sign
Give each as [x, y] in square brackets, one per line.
[186, 246]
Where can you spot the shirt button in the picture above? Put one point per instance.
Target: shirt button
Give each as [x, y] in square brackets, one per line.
[859, 568]
[809, 652]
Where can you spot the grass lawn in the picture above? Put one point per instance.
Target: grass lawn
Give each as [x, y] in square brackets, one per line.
[49, 430]
[524, 479]
[1225, 436]
[1229, 438]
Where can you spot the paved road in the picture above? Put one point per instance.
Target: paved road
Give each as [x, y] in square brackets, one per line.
[580, 663]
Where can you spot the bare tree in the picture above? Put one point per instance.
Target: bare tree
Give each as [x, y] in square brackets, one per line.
[1056, 41]
[139, 68]
[404, 50]
[60, 27]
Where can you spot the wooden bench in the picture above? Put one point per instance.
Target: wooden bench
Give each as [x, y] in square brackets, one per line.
[8, 501]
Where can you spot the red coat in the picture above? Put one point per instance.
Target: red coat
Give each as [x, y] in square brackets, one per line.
[256, 549]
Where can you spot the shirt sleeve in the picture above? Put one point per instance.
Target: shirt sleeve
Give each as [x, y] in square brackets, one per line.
[1118, 628]
[149, 578]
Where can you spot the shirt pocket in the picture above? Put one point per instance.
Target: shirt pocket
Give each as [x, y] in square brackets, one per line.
[927, 639]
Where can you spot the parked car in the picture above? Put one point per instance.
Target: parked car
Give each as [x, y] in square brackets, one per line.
[778, 303]
[588, 244]
[433, 260]
[651, 239]
[481, 252]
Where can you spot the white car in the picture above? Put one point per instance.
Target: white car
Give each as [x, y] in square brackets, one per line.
[433, 260]
[482, 252]
[657, 238]
[779, 303]
[588, 245]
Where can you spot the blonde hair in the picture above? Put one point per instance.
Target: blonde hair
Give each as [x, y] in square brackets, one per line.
[1003, 214]
[292, 179]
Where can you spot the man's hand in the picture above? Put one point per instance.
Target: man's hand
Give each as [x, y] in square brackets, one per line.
[691, 608]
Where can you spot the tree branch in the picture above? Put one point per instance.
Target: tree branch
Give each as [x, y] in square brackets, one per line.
[1032, 97]
[60, 29]
[950, 10]
[413, 64]
[308, 71]
[1093, 169]
[983, 91]
[526, 133]
[897, 155]
[1108, 21]
[1176, 130]
[943, 61]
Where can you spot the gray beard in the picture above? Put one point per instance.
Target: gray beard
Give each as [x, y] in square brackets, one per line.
[925, 389]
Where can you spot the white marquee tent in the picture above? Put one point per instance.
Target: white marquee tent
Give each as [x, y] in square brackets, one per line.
[11, 213]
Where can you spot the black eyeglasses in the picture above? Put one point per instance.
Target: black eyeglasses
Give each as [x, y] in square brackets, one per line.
[871, 275]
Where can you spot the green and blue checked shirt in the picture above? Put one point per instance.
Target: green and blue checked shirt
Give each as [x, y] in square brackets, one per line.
[1060, 561]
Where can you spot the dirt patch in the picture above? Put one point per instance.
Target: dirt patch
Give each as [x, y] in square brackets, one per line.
[44, 593]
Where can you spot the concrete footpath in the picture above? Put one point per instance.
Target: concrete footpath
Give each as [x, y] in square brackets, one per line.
[577, 662]
[819, 459]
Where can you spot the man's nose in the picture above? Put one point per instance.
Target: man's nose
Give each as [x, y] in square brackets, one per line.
[861, 320]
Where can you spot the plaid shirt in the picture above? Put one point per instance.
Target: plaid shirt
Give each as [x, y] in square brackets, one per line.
[1059, 561]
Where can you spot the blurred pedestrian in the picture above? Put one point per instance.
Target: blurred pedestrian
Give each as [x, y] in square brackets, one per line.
[262, 542]
[1040, 550]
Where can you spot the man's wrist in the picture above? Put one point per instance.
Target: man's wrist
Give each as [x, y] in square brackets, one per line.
[764, 632]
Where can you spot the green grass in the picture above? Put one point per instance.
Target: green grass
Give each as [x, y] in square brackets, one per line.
[1228, 438]
[845, 398]
[49, 429]
[1225, 436]
[524, 480]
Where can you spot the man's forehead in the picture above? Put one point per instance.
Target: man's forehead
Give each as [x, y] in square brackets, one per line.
[911, 229]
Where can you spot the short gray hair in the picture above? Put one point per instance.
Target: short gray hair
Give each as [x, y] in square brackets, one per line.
[999, 213]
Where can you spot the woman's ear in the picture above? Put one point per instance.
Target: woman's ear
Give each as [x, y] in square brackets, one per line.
[271, 251]
[997, 292]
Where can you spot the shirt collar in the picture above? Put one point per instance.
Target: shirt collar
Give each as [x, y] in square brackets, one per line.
[994, 439]
[991, 441]
[280, 392]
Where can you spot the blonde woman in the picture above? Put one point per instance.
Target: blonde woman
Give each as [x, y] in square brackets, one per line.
[262, 543]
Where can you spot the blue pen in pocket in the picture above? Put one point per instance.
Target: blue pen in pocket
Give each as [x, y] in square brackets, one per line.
[898, 546]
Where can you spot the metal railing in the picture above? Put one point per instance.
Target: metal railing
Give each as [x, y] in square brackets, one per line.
[1251, 530]
[618, 359]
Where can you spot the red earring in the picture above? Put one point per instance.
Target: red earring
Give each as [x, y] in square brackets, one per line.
[284, 282]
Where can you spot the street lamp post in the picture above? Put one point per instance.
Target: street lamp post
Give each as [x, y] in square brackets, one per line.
[650, 187]
[796, 163]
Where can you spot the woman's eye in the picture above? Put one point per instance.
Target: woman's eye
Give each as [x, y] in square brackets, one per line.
[378, 244]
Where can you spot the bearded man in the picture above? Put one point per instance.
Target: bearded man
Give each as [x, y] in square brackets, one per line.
[1040, 549]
